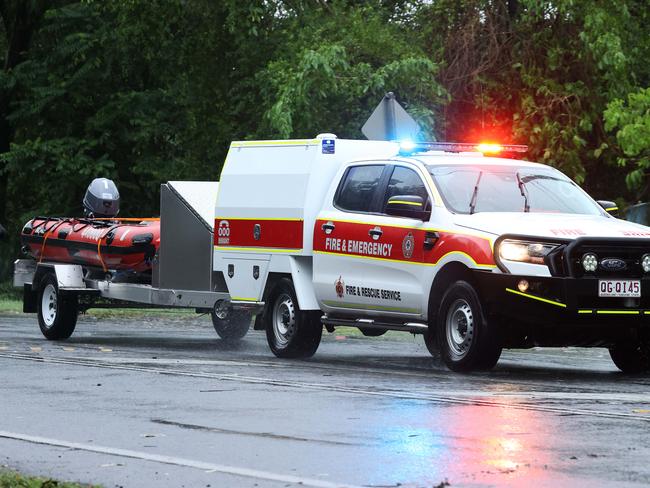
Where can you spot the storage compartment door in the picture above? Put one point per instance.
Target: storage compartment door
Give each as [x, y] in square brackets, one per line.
[245, 277]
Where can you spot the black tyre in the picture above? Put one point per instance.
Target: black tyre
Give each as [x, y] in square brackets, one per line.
[230, 324]
[368, 332]
[57, 312]
[465, 338]
[632, 357]
[291, 332]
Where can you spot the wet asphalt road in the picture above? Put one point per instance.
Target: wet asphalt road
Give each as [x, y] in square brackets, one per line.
[163, 402]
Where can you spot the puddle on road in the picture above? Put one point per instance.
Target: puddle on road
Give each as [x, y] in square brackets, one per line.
[499, 446]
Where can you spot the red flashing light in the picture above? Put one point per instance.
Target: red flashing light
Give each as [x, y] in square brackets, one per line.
[484, 147]
[489, 148]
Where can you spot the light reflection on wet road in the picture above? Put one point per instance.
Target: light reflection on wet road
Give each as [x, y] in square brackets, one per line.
[365, 412]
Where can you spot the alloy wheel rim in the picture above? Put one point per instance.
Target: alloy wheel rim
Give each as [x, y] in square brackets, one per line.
[221, 310]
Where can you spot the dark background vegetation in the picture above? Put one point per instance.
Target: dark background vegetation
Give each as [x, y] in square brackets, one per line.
[145, 91]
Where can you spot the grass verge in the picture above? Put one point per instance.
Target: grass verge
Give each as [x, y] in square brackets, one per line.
[13, 306]
[10, 479]
[9, 305]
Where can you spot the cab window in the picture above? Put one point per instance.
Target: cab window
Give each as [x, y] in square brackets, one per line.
[405, 181]
[359, 188]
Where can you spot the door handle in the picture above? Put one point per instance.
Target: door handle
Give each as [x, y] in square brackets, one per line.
[375, 233]
[430, 239]
[328, 227]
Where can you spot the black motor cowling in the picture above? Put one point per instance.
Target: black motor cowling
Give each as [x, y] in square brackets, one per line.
[102, 200]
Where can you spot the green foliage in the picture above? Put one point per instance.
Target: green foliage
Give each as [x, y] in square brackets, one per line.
[144, 91]
[14, 480]
[631, 121]
[342, 60]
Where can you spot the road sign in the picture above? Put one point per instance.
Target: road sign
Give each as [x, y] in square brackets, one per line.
[390, 122]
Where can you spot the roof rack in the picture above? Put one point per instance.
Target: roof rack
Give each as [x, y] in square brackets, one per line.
[408, 148]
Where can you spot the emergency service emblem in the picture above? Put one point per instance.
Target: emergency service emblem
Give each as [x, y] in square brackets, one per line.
[223, 232]
[340, 287]
[407, 245]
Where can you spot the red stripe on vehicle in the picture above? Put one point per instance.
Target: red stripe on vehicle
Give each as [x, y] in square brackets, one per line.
[477, 248]
[397, 243]
[280, 234]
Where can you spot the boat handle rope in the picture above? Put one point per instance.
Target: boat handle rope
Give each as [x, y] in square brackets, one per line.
[47, 234]
[99, 250]
[131, 219]
[99, 244]
[44, 222]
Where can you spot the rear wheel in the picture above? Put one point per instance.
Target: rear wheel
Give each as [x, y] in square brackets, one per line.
[465, 339]
[632, 357]
[230, 324]
[57, 312]
[291, 332]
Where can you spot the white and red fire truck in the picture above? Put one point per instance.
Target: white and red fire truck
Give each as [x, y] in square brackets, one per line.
[476, 252]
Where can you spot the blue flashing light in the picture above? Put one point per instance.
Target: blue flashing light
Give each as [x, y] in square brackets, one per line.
[408, 147]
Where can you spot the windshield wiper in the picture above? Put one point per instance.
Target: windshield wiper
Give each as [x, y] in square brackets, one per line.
[472, 202]
[524, 192]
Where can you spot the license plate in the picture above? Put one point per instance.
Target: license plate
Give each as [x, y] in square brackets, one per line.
[619, 288]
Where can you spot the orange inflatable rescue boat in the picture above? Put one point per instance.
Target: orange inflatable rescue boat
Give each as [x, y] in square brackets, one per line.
[100, 239]
[108, 244]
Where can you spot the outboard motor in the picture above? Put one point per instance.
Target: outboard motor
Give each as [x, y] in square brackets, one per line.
[102, 200]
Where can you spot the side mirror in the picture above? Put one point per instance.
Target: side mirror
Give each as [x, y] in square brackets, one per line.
[610, 207]
[411, 206]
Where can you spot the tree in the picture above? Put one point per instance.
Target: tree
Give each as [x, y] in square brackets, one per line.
[341, 59]
[631, 121]
[20, 19]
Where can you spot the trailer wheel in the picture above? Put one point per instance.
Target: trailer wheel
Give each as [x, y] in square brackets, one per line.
[291, 332]
[57, 312]
[230, 324]
[465, 338]
[632, 357]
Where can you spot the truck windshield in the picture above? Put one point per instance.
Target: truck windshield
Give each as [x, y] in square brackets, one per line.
[472, 189]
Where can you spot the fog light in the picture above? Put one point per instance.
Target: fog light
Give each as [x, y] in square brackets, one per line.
[589, 262]
[523, 286]
[645, 263]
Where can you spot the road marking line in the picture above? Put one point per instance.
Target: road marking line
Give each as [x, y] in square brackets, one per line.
[176, 461]
[389, 393]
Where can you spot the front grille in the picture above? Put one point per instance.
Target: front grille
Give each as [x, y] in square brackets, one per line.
[566, 260]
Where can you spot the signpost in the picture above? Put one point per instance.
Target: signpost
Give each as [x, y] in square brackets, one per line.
[390, 122]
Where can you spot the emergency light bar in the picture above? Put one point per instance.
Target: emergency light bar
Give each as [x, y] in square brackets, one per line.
[409, 147]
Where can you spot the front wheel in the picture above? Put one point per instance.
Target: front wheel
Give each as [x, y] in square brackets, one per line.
[632, 357]
[57, 312]
[465, 338]
[230, 324]
[291, 332]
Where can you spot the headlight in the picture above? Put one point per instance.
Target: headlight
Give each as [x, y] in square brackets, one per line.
[525, 251]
